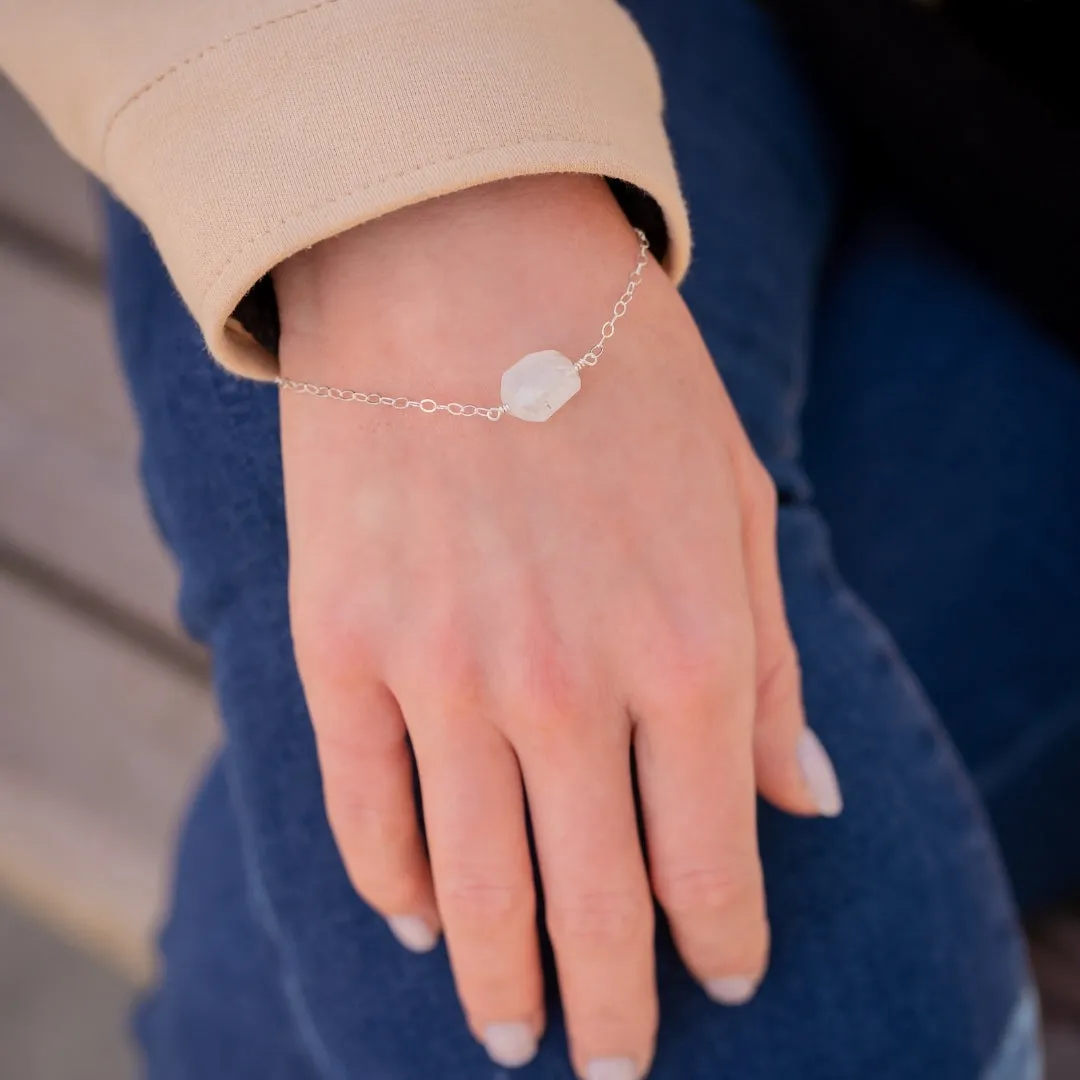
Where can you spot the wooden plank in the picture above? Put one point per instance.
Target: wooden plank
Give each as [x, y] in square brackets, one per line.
[69, 493]
[39, 185]
[44, 980]
[60, 364]
[99, 746]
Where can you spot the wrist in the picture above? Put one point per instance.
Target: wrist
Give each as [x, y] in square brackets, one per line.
[445, 294]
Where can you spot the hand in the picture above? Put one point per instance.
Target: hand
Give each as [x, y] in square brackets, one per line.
[532, 604]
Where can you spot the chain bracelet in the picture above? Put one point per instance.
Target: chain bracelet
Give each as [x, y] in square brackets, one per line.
[489, 412]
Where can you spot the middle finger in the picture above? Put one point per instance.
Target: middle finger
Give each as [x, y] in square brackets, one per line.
[474, 811]
[596, 892]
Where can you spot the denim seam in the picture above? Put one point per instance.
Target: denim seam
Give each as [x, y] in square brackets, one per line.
[1022, 753]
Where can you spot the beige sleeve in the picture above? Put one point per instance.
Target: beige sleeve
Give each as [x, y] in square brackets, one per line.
[241, 131]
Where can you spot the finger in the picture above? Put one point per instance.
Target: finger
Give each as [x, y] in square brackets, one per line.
[474, 808]
[596, 894]
[367, 776]
[793, 770]
[694, 749]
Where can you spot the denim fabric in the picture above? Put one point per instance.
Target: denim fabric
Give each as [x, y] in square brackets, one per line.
[942, 423]
[939, 433]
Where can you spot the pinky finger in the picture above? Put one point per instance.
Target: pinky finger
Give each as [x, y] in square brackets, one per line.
[794, 772]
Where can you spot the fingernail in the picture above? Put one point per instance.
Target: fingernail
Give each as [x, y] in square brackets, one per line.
[611, 1069]
[510, 1045]
[733, 990]
[819, 774]
[413, 932]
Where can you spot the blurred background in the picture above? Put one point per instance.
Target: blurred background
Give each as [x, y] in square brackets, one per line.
[105, 709]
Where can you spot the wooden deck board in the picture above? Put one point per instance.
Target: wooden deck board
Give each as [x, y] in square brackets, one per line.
[39, 186]
[69, 492]
[98, 749]
[101, 730]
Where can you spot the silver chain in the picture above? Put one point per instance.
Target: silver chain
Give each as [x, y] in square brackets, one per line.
[489, 412]
[608, 330]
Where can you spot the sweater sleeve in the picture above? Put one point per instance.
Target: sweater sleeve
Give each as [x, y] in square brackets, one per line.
[241, 131]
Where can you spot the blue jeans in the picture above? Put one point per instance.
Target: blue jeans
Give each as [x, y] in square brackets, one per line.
[932, 586]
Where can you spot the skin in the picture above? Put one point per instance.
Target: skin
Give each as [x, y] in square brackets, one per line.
[532, 604]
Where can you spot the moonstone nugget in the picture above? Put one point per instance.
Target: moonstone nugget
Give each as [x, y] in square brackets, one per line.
[539, 384]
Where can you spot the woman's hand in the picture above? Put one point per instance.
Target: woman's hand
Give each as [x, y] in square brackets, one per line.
[537, 603]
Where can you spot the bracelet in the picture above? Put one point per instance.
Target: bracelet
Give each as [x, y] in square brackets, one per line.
[537, 386]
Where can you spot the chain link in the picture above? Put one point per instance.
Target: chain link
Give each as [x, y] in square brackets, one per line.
[607, 332]
[488, 412]
[427, 405]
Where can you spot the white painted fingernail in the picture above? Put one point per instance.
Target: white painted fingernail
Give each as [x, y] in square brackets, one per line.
[611, 1069]
[819, 774]
[733, 990]
[413, 932]
[510, 1045]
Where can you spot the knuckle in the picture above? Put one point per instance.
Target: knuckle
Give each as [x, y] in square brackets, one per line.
[443, 658]
[542, 691]
[732, 656]
[710, 890]
[540, 670]
[484, 903]
[679, 674]
[330, 639]
[362, 827]
[693, 673]
[686, 693]
[608, 918]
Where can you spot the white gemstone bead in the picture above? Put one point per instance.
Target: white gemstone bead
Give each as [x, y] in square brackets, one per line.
[539, 384]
